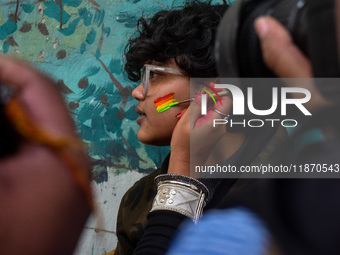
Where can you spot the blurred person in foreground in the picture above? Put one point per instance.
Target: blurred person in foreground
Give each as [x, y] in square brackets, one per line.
[280, 216]
[43, 207]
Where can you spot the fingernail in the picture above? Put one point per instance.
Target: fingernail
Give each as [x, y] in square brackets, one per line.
[180, 114]
[212, 85]
[261, 26]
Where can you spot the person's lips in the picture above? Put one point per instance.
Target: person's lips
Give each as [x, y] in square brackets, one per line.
[142, 115]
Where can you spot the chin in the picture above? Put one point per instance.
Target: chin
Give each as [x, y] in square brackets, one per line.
[156, 141]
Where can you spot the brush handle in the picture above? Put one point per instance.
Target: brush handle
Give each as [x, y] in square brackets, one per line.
[221, 93]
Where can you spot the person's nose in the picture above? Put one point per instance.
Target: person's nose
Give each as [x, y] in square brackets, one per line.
[137, 93]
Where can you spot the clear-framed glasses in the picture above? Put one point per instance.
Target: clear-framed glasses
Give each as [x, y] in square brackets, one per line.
[145, 74]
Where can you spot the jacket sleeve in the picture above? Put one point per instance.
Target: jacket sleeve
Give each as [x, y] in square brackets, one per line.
[132, 214]
[160, 230]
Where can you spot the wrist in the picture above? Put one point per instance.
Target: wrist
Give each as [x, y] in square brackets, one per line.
[179, 163]
[181, 194]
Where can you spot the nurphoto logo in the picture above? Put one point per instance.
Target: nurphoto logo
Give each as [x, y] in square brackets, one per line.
[238, 108]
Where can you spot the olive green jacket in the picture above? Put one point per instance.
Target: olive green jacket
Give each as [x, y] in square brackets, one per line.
[137, 201]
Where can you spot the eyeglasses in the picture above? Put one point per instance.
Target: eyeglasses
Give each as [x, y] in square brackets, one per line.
[145, 74]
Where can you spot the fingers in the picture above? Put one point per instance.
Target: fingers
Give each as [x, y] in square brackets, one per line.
[225, 105]
[38, 94]
[197, 120]
[280, 54]
[39, 114]
[286, 60]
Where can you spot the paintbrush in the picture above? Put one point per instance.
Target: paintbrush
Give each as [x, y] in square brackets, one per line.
[168, 101]
[221, 93]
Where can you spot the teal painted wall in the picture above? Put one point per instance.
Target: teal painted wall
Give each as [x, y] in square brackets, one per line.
[80, 44]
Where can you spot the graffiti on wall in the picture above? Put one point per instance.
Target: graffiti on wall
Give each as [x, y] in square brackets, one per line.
[80, 44]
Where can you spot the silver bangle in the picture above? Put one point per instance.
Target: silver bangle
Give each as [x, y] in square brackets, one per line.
[181, 194]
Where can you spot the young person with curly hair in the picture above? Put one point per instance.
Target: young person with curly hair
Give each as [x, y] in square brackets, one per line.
[170, 48]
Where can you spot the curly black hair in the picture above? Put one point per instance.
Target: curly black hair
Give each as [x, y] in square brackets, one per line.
[185, 34]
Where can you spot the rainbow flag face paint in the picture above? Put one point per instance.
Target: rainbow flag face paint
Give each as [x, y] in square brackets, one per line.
[165, 102]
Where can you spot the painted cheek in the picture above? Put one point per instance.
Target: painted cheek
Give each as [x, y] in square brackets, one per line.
[165, 102]
[170, 95]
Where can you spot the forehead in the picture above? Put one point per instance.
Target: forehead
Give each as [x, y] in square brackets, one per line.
[170, 63]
